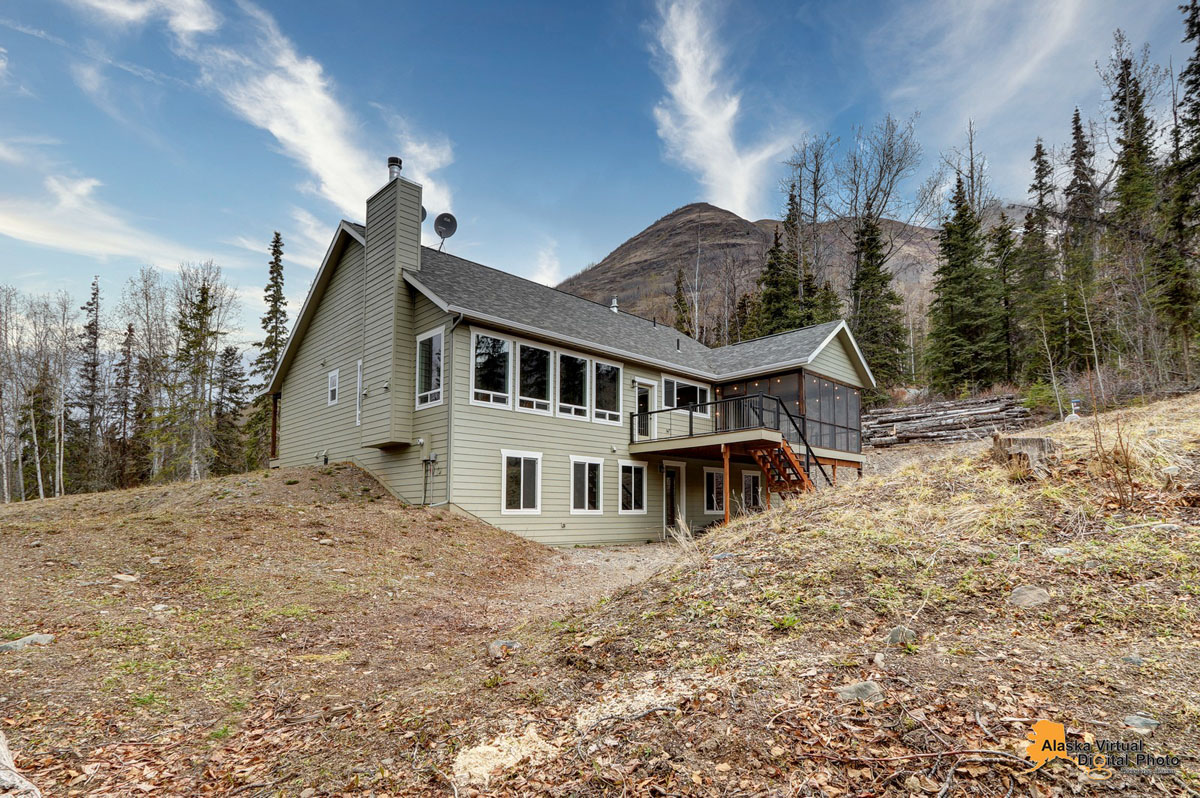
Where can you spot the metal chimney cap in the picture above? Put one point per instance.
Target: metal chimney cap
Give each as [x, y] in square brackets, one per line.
[394, 166]
[395, 161]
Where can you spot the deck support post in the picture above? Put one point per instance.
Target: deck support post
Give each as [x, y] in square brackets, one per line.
[725, 481]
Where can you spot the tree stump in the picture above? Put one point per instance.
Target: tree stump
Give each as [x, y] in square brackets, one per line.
[1027, 454]
[12, 783]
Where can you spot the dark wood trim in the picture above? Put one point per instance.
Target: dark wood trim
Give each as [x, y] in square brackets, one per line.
[274, 426]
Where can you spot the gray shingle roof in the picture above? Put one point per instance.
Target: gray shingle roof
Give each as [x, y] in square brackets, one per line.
[491, 294]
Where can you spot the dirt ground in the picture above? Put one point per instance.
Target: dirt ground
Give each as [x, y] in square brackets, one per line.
[187, 612]
[301, 634]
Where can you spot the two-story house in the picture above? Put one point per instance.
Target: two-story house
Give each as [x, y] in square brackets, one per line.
[543, 413]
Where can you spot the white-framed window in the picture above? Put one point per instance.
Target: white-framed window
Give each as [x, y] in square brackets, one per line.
[491, 370]
[714, 491]
[632, 488]
[331, 384]
[677, 393]
[535, 379]
[430, 345]
[606, 392]
[521, 482]
[752, 490]
[358, 397]
[587, 485]
[572, 386]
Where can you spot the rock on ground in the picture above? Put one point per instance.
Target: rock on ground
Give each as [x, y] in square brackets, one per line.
[27, 640]
[1028, 596]
[869, 692]
[900, 635]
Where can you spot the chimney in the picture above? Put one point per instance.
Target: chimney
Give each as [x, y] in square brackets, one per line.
[613, 306]
[394, 166]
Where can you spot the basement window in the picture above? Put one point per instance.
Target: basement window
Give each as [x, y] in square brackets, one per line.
[534, 378]
[714, 491]
[522, 483]
[490, 367]
[607, 392]
[633, 488]
[587, 486]
[572, 386]
[429, 368]
[331, 383]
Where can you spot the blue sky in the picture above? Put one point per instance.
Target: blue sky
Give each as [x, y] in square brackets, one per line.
[160, 131]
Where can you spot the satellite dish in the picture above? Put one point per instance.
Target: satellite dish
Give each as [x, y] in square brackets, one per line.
[423, 213]
[444, 225]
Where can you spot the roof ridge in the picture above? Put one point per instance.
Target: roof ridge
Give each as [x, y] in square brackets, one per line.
[601, 305]
[777, 334]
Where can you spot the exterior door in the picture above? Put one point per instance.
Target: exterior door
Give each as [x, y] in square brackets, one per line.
[752, 490]
[644, 405]
[670, 497]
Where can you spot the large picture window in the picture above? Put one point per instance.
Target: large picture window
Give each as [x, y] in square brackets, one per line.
[490, 365]
[522, 483]
[572, 386]
[587, 486]
[714, 491]
[680, 395]
[633, 488]
[429, 368]
[607, 393]
[534, 378]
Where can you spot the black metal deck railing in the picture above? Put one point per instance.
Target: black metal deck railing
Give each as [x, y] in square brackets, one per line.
[732, 414]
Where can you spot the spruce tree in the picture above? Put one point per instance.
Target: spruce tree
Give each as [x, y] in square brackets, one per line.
[779, 289]
[682, 307]
[965, 349]
[274, 320]
[1002, 258]
[1040, 300]
[876, 318]
[91, 390]
[1134, 190]
[827, 306]
[1080, 244]
[123, 410]
[229, 400]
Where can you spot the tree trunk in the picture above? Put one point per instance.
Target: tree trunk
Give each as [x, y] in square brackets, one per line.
[37, 455]
[12, 783]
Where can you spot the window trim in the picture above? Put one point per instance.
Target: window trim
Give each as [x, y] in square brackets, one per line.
[714, 510]
[507, 404]
[332, 388]
[553, 388]
[358, 397]
[441, 389]
[756, 475]
[621, 466]
[576, 459]
[663, 395]
[504, 455]
[655, 390]
[587, 388]
[616, 422]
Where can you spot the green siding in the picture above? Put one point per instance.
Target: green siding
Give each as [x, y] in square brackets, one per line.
[834, 361]
[481, 433]
[309, 426]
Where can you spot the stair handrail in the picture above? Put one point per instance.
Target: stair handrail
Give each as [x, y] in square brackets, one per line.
[808, 452]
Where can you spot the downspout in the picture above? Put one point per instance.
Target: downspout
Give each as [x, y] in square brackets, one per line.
[450, 412]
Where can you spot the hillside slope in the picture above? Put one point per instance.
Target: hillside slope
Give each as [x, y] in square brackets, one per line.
[208, 633]
[641, 271]
[720, 678]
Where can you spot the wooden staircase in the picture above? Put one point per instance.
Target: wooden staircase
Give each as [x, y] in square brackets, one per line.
[783, 470]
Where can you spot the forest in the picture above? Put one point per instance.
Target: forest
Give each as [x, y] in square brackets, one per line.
[1088, 288]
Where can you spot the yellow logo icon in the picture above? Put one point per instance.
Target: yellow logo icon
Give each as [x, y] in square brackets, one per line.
[1048, 741]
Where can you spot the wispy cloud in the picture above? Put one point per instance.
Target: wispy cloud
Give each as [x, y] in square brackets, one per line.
[548, 269]
[698, 118]
[184, 17]
[268, 83]
[3, 64]
[69, 216]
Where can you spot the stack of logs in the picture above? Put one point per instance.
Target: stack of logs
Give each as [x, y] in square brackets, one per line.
[943, 422]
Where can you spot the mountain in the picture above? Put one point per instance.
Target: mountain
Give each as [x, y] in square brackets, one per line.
[641, 271]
